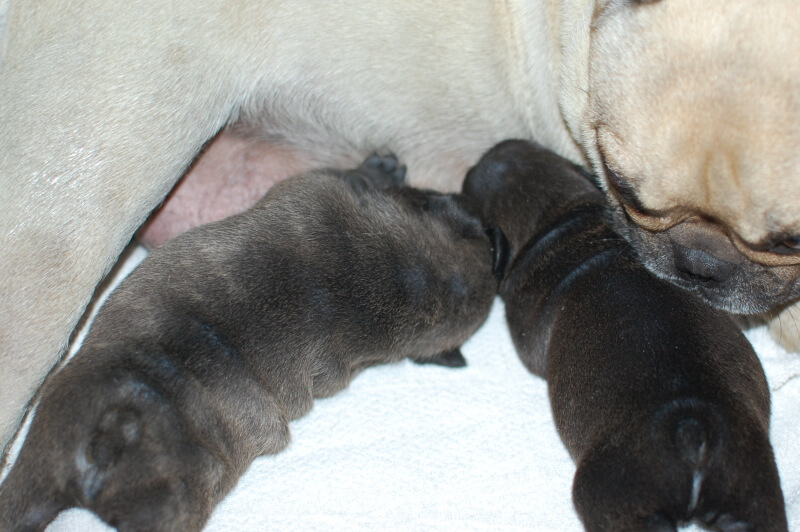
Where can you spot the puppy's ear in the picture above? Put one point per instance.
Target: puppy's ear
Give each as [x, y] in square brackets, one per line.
[500, 250]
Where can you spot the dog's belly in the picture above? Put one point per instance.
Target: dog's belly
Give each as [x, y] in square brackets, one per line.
[229, 177]
[233, 172]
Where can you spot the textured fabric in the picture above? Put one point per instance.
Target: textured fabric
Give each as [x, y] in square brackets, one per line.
[425, 448]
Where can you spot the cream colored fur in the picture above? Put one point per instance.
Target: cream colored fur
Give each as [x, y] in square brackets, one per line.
[103, 105]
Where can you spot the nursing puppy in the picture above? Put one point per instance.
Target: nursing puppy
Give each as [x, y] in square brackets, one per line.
[203, 354]
[661, 401]
[688, 111]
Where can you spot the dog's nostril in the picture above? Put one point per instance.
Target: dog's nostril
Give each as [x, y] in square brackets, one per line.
[698, 265]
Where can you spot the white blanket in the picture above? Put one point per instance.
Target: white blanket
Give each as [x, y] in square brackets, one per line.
[425, 448]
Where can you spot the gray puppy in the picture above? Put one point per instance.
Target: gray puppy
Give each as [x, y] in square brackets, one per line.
[660, 400]
[201, 357]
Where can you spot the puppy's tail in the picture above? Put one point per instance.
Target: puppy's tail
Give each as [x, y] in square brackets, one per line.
[692, 433]
[720, 466]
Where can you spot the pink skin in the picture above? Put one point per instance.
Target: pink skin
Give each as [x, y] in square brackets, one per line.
[228, 177]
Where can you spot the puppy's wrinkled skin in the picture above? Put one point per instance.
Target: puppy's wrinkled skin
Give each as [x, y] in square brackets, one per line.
[204, 353]
[660, 400]
[694, 106]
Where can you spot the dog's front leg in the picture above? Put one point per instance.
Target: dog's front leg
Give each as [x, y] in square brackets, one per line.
[98, 119]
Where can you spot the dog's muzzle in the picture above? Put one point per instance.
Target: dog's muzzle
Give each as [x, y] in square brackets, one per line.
[698, 266]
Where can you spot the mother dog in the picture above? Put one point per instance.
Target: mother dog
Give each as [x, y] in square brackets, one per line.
[690, 113]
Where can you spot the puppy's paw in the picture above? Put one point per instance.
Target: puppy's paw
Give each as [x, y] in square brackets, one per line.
[688, 463]
[384, 170]
[448, 359]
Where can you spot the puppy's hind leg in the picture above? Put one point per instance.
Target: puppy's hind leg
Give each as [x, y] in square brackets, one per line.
[688, 462]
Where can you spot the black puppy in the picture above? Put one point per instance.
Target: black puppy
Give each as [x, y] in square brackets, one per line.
[659, 399]
[203, 354]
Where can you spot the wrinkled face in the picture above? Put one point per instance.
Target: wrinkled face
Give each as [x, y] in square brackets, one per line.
[693, 122]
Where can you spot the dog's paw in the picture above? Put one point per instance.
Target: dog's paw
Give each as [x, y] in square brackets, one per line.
[689, 463]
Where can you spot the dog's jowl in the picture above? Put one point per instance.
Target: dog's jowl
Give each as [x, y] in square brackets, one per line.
[204, 353]
[661, 401]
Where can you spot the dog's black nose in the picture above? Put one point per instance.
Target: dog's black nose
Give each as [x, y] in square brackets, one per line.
[698, 265]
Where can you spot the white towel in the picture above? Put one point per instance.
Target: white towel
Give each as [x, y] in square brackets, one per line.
[426, 448]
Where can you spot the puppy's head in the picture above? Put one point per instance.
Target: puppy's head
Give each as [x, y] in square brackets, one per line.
[520, 187]
[693, 124]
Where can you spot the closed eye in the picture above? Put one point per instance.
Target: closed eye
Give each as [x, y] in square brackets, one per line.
[789, 245]
[624, 191]
[778, 251]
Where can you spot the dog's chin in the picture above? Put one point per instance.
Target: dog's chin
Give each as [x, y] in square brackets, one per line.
[748, 288]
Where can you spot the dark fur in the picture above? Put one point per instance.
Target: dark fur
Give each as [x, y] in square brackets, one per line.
[660, 400]
[202, 356]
